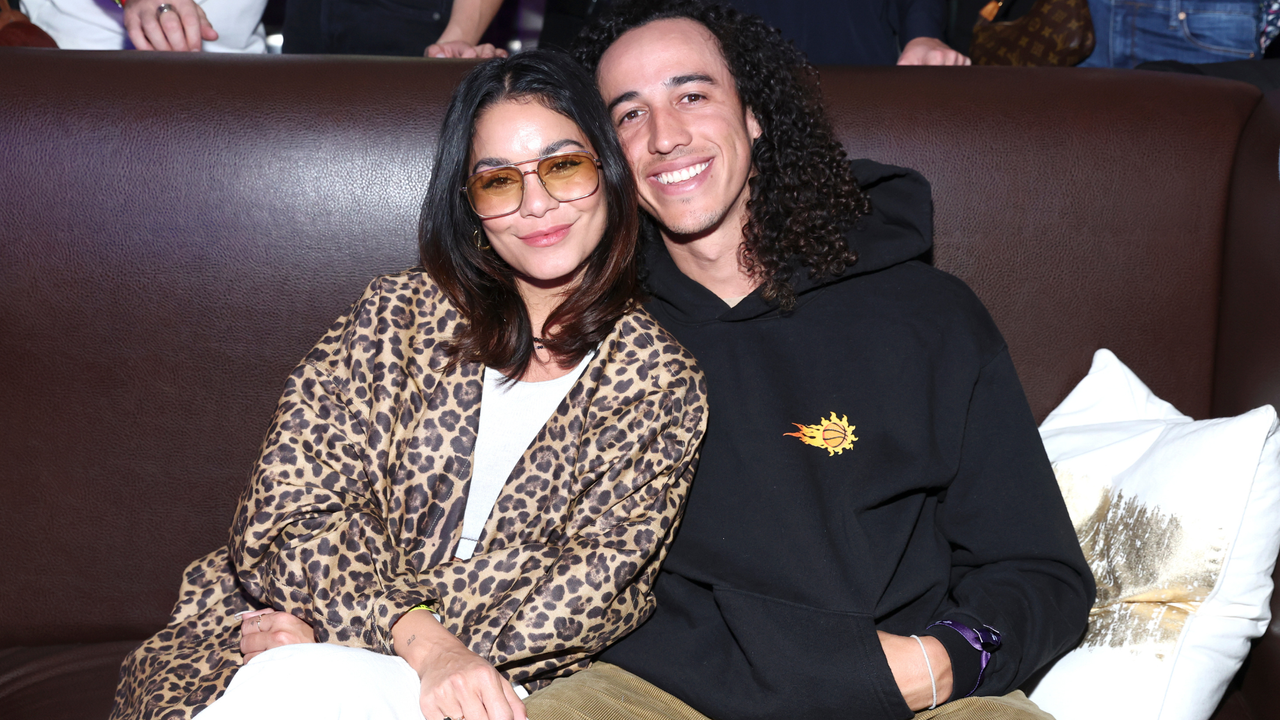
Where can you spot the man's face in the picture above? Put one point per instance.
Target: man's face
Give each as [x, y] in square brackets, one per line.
[683, 128]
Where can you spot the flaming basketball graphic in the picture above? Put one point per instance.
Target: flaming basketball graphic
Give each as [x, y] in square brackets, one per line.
[833, 435]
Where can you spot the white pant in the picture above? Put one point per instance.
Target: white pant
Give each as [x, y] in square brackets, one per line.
[99, 24]
[320, 682]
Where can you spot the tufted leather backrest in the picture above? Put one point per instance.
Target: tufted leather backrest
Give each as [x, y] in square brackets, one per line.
[1087, 208]
[175, 232]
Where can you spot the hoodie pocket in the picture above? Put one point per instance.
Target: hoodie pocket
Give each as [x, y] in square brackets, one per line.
[810, 663]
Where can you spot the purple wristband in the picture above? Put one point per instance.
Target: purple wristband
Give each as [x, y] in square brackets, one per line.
[986, 640]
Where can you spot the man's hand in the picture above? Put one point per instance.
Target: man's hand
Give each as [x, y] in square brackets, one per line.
[930, 51]
[456, 683]
[468, 20]
[262, 630]
[912, 673]
[181, 29]
[463, 49]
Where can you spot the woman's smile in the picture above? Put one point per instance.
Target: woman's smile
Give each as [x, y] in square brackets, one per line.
[546, 237]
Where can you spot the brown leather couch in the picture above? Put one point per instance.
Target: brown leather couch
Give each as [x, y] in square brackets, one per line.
[175, 232]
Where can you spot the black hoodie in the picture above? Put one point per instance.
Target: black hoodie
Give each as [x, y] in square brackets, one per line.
[805, 533]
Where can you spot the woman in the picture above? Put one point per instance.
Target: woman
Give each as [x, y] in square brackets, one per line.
[511, 400]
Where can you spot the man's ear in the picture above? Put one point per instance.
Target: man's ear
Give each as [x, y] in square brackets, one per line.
[753, 127]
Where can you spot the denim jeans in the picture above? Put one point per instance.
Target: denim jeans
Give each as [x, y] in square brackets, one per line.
[1130, 32]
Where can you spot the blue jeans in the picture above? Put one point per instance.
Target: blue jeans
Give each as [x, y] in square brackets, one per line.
[1192, 31]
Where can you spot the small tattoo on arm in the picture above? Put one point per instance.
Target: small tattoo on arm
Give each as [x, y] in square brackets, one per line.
[410, 640]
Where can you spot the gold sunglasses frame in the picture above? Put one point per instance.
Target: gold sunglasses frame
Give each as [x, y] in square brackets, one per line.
[466, 188]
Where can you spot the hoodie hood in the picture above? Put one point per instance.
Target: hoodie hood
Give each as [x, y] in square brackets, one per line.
[899, 229]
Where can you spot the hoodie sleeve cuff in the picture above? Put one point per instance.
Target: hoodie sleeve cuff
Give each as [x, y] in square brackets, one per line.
[966, 662]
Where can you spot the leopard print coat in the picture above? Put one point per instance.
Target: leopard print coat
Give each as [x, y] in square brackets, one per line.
[355, 506]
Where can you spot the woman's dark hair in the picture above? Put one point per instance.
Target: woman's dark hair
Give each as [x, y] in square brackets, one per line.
[803, 195]
[478, 282]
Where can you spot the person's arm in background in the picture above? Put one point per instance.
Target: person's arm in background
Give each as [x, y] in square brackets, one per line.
[467, 22]
[920, 26]
[182, 29]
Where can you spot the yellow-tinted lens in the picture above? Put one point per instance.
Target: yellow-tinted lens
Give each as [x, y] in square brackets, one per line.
[570, 176]
[566, 177]
[496, 192]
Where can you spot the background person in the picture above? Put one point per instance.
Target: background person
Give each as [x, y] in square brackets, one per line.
[861, 32]
[1186, 31]
[828, 32]
[436, 28]
[478, 468]
[178, 25]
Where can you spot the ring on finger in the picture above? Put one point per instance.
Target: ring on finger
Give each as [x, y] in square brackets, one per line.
[258, 623]
[164, 8]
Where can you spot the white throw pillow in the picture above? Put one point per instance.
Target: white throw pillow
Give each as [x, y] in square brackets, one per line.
[1180, 523]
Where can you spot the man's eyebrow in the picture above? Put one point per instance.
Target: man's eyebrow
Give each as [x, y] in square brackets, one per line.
[624, 97]
[679, 80]
[551, 149]
[672, 82]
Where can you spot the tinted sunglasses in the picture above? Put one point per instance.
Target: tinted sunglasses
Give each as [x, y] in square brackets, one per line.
[565, 176]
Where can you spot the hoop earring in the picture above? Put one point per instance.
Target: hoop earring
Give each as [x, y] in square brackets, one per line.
[481, 243]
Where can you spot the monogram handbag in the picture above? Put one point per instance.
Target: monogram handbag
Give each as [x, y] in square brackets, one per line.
[1053, 32]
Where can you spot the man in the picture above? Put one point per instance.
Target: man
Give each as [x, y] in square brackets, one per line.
[435, 28]
[874, 528]
[230, 26]
[236, 26]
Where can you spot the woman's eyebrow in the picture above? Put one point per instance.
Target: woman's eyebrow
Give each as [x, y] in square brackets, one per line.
[551, 149]
[489, 162]
[559, 145]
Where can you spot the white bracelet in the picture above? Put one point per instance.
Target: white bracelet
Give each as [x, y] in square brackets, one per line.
[929, 666]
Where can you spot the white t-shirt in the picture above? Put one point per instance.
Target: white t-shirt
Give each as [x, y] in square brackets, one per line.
[511, 415]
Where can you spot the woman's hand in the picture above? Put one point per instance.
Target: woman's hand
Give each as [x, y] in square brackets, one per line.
[181, 28]
[262, 630]
[456, 683]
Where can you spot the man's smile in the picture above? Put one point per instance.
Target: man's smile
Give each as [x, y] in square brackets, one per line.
[676, 176]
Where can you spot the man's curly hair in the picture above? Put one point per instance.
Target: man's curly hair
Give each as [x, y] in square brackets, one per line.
[803, 195]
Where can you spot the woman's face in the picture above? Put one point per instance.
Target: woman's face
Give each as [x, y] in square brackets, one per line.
[545, 241]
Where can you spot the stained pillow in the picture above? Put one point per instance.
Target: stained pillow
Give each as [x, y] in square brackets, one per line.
[1180, 523]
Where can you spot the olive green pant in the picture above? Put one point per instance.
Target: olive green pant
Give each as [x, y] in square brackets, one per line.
[607, 692]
